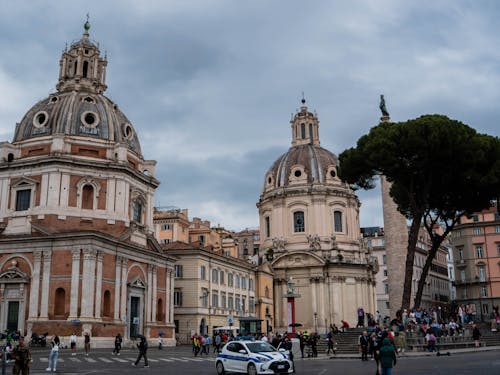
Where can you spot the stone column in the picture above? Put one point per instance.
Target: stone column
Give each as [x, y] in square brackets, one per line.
[149, 293]
[118, 274]
[277, 303]
[98, 286]
[123, 308]
[75, 283]
[171, 320]
[44, 308]
[35, 285]
[396, 247]
[88, 283]
[155, 294]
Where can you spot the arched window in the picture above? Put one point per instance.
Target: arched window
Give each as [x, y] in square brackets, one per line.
[60, 302]
[159, 310]
[137, 211]
[311, 133]
[267, 224]
[298, 221]
[88, 197]
[337, 221]
[85, 68]
[106, 304]
[76, 67]
[303, 131]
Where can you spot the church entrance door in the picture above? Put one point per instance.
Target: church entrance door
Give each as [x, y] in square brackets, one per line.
[135, 303]
[13, 315]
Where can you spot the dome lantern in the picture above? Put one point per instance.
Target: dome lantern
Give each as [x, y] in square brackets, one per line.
[305, 127]
[81, 67]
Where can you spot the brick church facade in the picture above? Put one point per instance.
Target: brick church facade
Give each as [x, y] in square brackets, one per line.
[77, 250]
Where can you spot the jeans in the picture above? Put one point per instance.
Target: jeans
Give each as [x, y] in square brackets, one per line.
[53, 359]
[386, 370]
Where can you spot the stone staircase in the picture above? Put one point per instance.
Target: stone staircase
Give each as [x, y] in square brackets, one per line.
[347, 342]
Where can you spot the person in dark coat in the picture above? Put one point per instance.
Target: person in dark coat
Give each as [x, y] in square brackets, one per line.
[387, 357]
[143, 348]
[118, 344]
[476, 335]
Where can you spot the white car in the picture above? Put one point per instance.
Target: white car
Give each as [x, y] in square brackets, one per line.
[252, 357]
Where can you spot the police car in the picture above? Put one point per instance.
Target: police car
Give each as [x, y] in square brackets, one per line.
[252, 357]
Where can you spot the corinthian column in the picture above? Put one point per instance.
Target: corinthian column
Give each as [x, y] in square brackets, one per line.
[98, 286]
[75, 281]
[44, 309]
[35, 285]
[123, 308]
[155, 294]
[88, 283]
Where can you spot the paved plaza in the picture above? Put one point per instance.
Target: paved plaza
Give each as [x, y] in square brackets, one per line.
[172, 360]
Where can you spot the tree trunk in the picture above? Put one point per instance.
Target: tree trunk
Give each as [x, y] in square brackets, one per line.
[410, 257]
[421, 282]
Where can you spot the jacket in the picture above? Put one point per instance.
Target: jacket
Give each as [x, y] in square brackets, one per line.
[387, 354]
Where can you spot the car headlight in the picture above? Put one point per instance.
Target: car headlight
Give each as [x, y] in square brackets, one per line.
[264, 359]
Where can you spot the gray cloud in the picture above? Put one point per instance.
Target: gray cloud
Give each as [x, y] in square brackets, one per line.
[210, 85]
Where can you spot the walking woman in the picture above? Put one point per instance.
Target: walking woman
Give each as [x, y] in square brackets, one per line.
[118, 344]
[72, 343]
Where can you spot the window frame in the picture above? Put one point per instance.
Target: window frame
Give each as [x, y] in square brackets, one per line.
[297, 227]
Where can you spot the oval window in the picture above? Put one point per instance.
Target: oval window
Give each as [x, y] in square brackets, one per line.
[297, 173]
[128, 130]
[40, 119]
[332, 173]
[89, 119]
[269, 180]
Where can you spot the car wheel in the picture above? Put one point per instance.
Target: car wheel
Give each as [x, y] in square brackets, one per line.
[252, 370]
[220, 368]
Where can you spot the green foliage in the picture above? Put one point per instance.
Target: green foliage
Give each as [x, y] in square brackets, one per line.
[433, 162]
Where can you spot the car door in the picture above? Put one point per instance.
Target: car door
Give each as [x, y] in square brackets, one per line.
[230, 360]
[241, 360]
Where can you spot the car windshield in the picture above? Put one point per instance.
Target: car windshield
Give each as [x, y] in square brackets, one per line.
[259, 347]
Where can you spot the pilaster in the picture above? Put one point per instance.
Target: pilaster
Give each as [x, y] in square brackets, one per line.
[75, 281]
[98, 287]
[44, 308]
[35, 285]
[88, 283]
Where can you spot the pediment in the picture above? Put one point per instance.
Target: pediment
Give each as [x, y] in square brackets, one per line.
[297, 259]
[137, 283]
[13, 275]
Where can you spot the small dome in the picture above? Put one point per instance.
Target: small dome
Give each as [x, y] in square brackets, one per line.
[305, 163]
[78, 114]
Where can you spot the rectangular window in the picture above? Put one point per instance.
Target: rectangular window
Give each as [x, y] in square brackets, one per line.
[251, 305]
[385, 272]
[298, 222]
[177, 298]
[203, 273]
[267, 221]
[223, 301]
[237, 283]
[482, 274]
[204, 297]
[215, 300]
[230, 303]
[462, 276]
[387, 305]
[337, 220]
[386, 288]
[237, 303]
[201, 239]
[384, 259]
[484, 292]
[243, 304]
[137, 213]
[479, 252]
[166, 241]
[221, 277]
[460, 254]
[497, 229]
[215, 276]
[250, 284]
[243, 283]
[178, 270]
[477, 231]
[458, 233]
[496, 216]
[23, 199]
[166, 227]
[475, 218]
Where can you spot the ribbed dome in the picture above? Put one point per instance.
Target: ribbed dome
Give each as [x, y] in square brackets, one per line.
[304, 163]
[78, 113]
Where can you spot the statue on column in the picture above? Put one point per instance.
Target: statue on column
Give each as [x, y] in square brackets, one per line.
[382, 107]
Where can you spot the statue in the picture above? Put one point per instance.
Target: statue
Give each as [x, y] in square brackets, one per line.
[279, 243]
[333, 240]
[314, 242]
[382, 107]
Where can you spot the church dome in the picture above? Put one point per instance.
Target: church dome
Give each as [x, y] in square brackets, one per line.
[306, 162]
[79, 108]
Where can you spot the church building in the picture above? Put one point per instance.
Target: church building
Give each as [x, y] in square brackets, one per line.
[77, 250]
[310, 235]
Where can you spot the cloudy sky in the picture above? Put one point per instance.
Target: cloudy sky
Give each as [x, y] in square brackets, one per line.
[210, 85]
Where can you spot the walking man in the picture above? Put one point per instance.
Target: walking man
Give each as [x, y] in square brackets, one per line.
[22, 357]
[87, 343]
[363, 345]
[143, 348]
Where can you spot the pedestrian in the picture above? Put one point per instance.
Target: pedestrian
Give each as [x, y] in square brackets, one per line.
[387, 357]
[160, 342]
[476, 334]
[118, 344]
[401, 342]
[72, 343]
[363, 346]
[196, 345]
[206, 344]
[217, 342]
[22, 357]
[329, 337]
[361, 317]
[287, 345]
[54, 353]
[87, 343]
[143, 348]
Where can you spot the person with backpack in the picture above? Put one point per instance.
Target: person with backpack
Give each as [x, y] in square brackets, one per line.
[22, 357]
[118, 344]
[54, 353]
[387, 357]
[143, 348]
